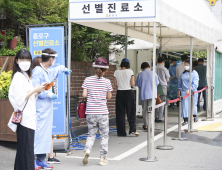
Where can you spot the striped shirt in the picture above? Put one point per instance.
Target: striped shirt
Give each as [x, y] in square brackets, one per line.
[96, 94]
[162, 74]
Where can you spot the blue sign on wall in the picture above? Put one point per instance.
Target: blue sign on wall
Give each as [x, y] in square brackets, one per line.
[41, 38]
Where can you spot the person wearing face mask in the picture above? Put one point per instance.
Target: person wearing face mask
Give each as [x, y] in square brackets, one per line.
[173, 86]
[44, 105]
[183, 89]
[51, 159]
[22, 96]
[180, 68]
[145, 84]
[163, 76]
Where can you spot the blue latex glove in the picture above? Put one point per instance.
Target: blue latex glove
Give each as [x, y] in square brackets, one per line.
[54, 97]
[68, 72]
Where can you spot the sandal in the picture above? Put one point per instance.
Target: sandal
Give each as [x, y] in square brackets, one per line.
[135, 133]
[184, 123]
[144, 127]
[195, 120]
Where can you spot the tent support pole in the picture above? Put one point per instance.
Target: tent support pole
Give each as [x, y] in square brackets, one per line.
[153, 94]
[161, 45]
[190, 79]
[209, 108]
[126, 34]
[68, 84]
[150, 131]
[212, 84]
[190, 106]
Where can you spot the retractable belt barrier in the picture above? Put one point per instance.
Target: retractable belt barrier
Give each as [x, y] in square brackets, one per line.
[159, 105]
[165, 146]
[179, 118]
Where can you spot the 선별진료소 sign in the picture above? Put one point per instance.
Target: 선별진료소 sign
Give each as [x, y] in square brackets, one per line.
[89, 10]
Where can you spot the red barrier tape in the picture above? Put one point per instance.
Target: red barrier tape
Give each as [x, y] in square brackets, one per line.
[173, 101]
[184, 97]
[200, 90]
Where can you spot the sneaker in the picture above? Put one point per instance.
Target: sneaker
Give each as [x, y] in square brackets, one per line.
[135, 133]
[195, 120]
[184, 123]
[103, 161]
[156, 120]
[43, 165]
[86, 156]
[37, 167]
[53, 161]
[160, 121]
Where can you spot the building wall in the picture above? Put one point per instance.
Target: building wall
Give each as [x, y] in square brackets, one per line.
[81, 70]
[135, 59]
[216, 9]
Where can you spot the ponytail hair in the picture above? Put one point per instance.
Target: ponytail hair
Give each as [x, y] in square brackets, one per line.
[99, 71]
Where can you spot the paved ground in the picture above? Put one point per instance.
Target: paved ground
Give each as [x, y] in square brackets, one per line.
[202, 150]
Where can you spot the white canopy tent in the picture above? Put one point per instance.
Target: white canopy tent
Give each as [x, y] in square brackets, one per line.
[138, 45]
[173, 23]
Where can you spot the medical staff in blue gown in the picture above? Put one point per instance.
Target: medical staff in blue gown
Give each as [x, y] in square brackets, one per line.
[173, 86]
[44, 105]
[183, 87]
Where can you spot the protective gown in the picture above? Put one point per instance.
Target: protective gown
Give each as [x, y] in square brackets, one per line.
[173, 86]
[184, 86]
[44, 108]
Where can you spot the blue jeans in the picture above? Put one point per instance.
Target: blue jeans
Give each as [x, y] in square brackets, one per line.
[204, 96]
[40, 157]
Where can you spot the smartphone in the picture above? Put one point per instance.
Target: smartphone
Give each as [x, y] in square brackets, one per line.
[49, 86]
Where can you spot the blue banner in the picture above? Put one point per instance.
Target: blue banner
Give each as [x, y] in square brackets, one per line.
[41, 38]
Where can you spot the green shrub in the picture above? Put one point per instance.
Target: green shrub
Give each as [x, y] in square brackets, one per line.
[5, 82]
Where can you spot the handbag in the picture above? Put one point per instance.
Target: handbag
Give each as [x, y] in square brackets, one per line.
[158, 100]
[81, 109]
[17, 116]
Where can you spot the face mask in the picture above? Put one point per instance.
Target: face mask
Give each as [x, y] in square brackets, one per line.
[171, 64]
[187, 67]
[24, 65]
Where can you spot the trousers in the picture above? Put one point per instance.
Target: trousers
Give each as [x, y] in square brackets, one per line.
[204, 97]
[95, 121]
[159, 111]
[25, 149]
[145, 104]
[125, 103]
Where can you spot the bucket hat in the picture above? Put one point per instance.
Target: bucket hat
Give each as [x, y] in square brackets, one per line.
[100, 63]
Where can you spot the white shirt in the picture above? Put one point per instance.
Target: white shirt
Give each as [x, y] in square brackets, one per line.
[20, 86]
[123, 78]
[180, 69]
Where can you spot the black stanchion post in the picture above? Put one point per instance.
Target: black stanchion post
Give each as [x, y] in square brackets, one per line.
[165, 146]
[149, 157]
[179, 122]
[191, 116]
[208, 118]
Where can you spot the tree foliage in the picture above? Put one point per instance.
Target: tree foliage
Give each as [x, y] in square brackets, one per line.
[87, 43]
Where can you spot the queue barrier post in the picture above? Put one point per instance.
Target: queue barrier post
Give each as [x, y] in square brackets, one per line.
[179, 123]
[165, 146]
[191, 117]
[211, 114]
[212, 102]
[149, 158]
